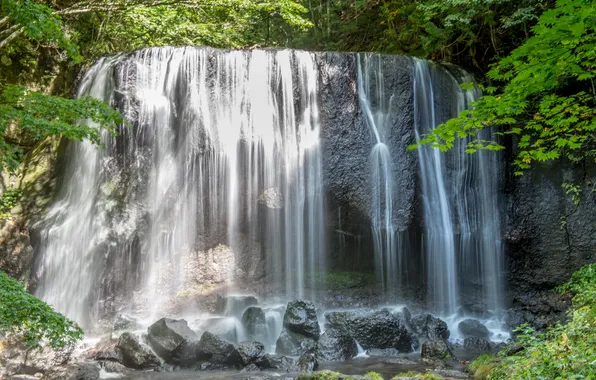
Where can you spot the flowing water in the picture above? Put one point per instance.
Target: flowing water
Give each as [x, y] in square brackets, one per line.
[462, 226]
[222, 157]
[218, 179]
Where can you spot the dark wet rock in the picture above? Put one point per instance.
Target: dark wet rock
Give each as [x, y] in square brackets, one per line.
[105, 352]
[430, 327]
[250, 352]
[293, 344]
[251, 368]
[79, 371]
[173, 341]
[234, 305]
[375, 328]
[401, 361]
[385, 352]
[218, 351]
[451, 374]
[281, 363]
[301, 318]
[336, 345]
[254, 321]
[114, 367]
[221, 326]
[307, 363]
[477, 345]
[437, 350]
[210, 366]
[134, 355]
[124, 323]
[473, 328]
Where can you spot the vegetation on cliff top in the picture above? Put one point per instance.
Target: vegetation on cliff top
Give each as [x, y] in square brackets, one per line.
[562, 352]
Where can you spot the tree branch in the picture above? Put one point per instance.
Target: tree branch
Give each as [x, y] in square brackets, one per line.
[14, 35]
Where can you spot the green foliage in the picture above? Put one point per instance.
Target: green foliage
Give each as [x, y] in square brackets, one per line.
[23, 314]
[36, 116]
[8, 200]
[417, 375]
[340, 280]
[548, 96]
[563, 351]
[330, 375]
[373, 376]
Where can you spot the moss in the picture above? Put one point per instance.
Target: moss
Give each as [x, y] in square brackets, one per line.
[481, 366]
[416, 375]
[330, 375]
[194, 291]
[373, 376]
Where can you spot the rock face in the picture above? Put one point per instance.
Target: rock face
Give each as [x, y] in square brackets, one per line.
[429, 327]
[234, 305]
[301, 318]
[300, 329]
[307, 363]
[473, 328]
[290, 343]
[254, 321]
[336, 345]
[80, 371]
[134, 355]
[280, 363]
[16, 252]
[477, 345]
[437, 350]
[375, 328]
[250, 352]
[217, 351]
[173, 341]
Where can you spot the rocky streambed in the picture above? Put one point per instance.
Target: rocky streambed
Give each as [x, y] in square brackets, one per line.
[248, 341]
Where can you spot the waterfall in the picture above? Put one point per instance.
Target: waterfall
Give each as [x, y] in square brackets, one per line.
[217, 178]
[376, 105]
[462, 231]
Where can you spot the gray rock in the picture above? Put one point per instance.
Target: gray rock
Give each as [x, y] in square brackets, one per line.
[134, 355]
[294, 344]
[250, 352]
[218, 351]
[114, 367]
[477, 345]
[251, 368]
[375, 329]
[307, 363]
[281, 363]
[473, 328]
[301, 318]
[79, 371]
[254, 321]
[173, 341]
[105, 352]
[437, 350]
[430, 327]
[451, 373]
[272, 198]
[336, 345]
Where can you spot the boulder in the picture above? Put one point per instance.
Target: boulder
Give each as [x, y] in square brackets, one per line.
[79, 371]
[290, 343]
[218, 351]
[114, 367]
[336, 345]
[429, 327]
[105, 352]
[250, 352]
[173, 341]
[251, 368]
[301, 318]
[473, 328]
[375, 328]
[280, 363]
[234, 305]
[254, 321]
[134, 355]
[477, 345]
[124, 323]
[436, 350]
[307, 363]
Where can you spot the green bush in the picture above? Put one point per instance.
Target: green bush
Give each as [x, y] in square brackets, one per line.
[8, 200]
[563, 351]
[23, 314]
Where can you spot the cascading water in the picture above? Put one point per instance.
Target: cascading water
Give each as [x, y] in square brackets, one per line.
[221, 162]
[376, 105]
[462, 233]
